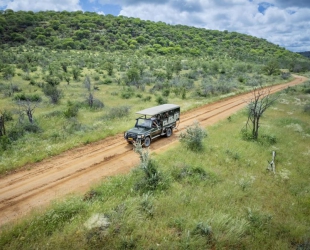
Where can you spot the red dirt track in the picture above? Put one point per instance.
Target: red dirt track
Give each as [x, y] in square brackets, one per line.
[76, 170]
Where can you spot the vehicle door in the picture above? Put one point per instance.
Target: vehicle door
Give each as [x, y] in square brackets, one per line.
[156, 128]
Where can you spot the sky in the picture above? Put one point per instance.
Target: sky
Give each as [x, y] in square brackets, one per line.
[282, 22]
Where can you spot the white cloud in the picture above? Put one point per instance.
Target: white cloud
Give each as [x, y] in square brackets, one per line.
[56, 5]
[278, 24]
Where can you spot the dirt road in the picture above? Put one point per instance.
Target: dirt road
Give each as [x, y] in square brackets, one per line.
[76, 170]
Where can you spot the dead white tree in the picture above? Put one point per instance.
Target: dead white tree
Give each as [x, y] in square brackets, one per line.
[257, 105]
[272, 164]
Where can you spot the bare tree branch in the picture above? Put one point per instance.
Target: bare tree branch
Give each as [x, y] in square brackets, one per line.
[257, 105]
[28, 108]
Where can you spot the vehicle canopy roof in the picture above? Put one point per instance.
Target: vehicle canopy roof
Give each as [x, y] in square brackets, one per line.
[158, 109]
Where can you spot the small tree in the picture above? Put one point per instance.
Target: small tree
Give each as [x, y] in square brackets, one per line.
[272, 68]
[52, 92]
[76, 73]
[67, 78]
[109, 67]
[257, 105]
[28, 108]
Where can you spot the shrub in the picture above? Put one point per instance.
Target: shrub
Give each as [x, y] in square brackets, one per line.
[161, 100]
[72, 110]
[307, 108]
[270, 139]
[31, 127]
[52, 80]
[97, 104]
[151, 179]
[166, 92]
[147, 99]
[246, 135]
[15, 133]
[193, 137]
[52, 92]
[4, 142]
[107, 81]
[96, 77]
[188, 172]
[127, 94]
[7, 115]
[118, 112]
[30, 98]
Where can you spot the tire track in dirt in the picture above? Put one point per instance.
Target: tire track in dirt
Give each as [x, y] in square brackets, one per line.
[76, 170]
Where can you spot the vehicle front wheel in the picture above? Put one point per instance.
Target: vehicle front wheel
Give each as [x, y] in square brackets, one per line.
[168, 132]
[147, 141]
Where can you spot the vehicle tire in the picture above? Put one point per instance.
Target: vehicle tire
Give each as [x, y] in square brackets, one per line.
[147, 141]
[168, 132]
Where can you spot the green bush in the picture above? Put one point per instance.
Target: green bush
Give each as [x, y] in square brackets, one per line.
[118, 112]
[72, 110]
[127, 94]
[161, 100]
[307, 108]
[189, 173]
[246, 135]
[270, 139]
[15, 133]
[193, 137]
[97, 104]
[7, 115]
[149, 178]
[52, 80]
[32, 127]
[107, 81]
[30, 98]
[52, 92]
[166, 92]
[4, 142]
[147, 99]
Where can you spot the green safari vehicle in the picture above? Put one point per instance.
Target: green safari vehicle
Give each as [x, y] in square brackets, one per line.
[153, 123]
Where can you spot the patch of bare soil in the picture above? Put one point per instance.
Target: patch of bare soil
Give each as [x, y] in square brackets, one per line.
[76, 170]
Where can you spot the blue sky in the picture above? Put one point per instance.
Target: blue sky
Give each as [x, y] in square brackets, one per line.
[282, 22]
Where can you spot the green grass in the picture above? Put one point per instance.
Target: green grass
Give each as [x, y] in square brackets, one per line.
[221, 197]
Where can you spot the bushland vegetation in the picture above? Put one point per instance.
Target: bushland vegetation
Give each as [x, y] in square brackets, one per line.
[69, 78]
[222, 196]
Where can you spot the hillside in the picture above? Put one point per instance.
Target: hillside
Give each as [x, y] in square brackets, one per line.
[91, 31]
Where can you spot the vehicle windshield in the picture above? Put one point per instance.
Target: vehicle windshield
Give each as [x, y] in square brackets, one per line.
[145, 123]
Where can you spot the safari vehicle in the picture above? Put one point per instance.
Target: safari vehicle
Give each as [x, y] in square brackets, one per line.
[154, 122]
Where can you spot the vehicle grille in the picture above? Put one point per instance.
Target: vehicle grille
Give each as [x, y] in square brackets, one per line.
[132, 135]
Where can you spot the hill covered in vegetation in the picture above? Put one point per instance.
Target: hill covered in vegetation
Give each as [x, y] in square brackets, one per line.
[91, 31]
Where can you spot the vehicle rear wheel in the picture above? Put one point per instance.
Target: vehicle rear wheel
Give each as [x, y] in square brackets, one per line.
[147, 141]
[168, 132]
